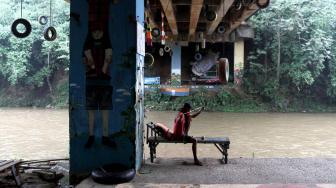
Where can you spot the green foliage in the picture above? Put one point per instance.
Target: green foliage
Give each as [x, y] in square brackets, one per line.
[295, 39]
[24, 62]
[224, 100]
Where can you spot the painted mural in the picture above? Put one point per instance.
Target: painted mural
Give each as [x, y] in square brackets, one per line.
[103, 92]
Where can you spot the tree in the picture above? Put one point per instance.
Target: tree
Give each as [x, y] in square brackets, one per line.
[294, 49]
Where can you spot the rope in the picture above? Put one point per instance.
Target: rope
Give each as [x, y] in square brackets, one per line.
[21, 8]
[50, 12]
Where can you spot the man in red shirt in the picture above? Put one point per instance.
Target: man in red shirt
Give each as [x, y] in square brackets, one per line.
[181, 128]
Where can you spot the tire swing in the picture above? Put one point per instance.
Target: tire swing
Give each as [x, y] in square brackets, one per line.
[198, 56]
[113, 174]
[50, 33]
[149, 60]
[264, 5]
[43, 20]
[238, 5]
[26, 25]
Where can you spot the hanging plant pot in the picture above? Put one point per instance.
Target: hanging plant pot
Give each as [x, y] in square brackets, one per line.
[263, 5]
[43, 20]
[50, 33]
[156, 32]
[26, 25]
[211, 15]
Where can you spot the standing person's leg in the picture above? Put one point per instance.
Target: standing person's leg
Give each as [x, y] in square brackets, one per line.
[91, 119]
[106, 106]
[105, 117]
[91, 106]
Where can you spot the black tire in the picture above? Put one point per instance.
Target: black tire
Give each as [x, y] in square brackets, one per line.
[113, 174]
[211, 15]
[27, 26]
[156, 33]
[53, 33]
[43, 20]
[263, 5]
[238, 5]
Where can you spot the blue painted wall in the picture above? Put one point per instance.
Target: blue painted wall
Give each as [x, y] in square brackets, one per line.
[122, 30]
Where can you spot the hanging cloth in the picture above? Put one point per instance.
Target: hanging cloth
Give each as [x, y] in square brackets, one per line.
[163, 36]
[148, 32]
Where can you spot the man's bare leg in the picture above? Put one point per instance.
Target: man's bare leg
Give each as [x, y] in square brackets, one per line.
[194, 150]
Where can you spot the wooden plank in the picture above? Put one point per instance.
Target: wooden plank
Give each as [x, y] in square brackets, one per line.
[221, 12]
[167, 7]
[195, 11]
[7, 164]
[151, 19]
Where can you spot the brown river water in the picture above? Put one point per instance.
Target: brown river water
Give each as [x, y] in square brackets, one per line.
[40, 134]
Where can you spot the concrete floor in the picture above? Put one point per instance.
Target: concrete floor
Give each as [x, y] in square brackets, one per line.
[275, 172]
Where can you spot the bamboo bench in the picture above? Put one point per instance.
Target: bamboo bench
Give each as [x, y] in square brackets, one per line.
[13, 166]
[153, 138]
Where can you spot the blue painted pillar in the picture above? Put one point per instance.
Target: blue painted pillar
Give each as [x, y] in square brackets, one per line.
[176, 64]
[104, 60]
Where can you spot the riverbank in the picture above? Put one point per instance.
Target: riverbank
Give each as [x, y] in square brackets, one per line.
[230, 99]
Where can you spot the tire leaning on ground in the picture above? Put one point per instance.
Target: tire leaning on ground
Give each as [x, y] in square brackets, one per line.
[53, 33]
[262, 5]
[113, 174]
[25, 23]
[224, 70]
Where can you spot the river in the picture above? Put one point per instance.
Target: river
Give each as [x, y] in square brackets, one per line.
[40, 134]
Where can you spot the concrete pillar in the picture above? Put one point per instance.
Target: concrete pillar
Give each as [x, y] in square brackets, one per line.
[238, 61]
[176, 65]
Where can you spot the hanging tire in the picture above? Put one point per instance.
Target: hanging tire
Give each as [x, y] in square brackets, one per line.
[238, 5]
[167, 48]
[43, 20]
[264, 5]
[211, 15]
[198, 56]
[161, 52]
[149, 60]
[156, 33]
[221, 29]
[25, 23]
[53, 33]
[113, 174]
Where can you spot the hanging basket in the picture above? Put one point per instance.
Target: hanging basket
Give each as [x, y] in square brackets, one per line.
[25, 23]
